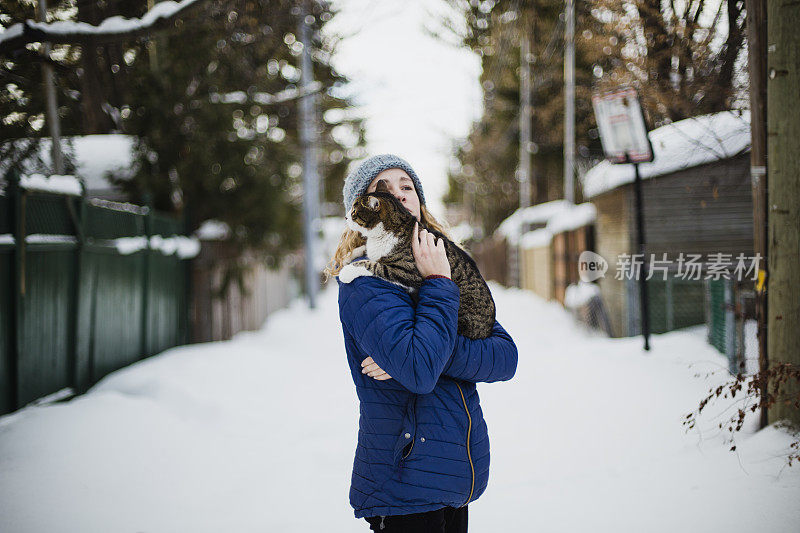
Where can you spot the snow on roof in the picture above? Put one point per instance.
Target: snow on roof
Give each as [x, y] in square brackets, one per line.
[684, 144]
[512, 226]
[558, 216]
[115, 24]
[55, 184]
[568, 219]
[536, 239]
[95, 155]
[574, 218]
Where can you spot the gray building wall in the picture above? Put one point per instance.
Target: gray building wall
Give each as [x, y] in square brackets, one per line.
[701, 210]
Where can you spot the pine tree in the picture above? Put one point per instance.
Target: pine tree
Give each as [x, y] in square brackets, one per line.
[22, 102]
[236, 162]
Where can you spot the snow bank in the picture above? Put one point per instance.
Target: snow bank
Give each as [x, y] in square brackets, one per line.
[677, 146]
[240, 436]
[579, 294]
[55, 184]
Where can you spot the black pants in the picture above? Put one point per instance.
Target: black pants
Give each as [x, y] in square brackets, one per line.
[446, 520]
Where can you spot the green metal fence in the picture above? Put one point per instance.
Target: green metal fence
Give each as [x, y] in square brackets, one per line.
[731, 320]
[75, 305]
[673, 303]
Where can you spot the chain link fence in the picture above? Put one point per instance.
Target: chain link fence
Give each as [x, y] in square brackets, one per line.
[731, 319]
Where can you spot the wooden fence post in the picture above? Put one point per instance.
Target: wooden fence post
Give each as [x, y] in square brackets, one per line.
[186, 324]
[148, 227]
[16, 215]
[77, 219]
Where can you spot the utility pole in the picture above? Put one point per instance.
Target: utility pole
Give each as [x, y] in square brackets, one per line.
[53, 122]
[757, 67]
[644, 299]
[783, 191]
[524, 170]
[569, 104]
[308, 139]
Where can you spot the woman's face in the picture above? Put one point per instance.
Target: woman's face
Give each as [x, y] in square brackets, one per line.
[401, 186]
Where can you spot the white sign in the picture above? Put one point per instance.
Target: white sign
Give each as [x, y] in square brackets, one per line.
[621, 124]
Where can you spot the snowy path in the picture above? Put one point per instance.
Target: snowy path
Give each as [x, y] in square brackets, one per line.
[258, 434]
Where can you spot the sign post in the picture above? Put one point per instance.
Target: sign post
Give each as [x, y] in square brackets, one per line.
[625, 141]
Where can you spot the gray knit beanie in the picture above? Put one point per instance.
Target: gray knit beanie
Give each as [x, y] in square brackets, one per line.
[357, 182]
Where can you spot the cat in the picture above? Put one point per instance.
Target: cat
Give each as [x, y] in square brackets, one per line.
[388, 228]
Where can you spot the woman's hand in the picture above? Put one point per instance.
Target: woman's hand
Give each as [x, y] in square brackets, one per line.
[430, 255]
[371, 368]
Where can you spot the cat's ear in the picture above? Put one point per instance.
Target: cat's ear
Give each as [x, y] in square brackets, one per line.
[381, 186]
[374, 203]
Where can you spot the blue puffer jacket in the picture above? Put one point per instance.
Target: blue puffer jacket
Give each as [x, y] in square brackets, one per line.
[422, 440]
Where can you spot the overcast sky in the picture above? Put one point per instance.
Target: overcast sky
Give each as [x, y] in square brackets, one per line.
[417, 93]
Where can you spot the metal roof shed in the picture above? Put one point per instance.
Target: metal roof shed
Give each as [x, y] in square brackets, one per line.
[697, 199]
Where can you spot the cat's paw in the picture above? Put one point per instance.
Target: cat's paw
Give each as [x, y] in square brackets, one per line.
[353, 271]
[358, 252]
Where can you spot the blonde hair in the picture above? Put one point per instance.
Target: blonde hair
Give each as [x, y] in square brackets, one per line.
[350, 240]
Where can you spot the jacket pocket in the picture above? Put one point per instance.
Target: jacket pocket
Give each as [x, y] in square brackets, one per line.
[404, 445]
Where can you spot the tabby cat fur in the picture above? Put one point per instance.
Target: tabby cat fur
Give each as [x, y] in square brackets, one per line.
[388, 228]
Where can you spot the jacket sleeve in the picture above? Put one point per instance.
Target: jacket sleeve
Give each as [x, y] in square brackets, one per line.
[491, 359]
[411, 345]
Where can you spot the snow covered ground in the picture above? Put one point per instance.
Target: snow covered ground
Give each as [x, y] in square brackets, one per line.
[258, 434]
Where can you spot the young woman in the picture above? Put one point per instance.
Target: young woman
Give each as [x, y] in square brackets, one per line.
[423, 448]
